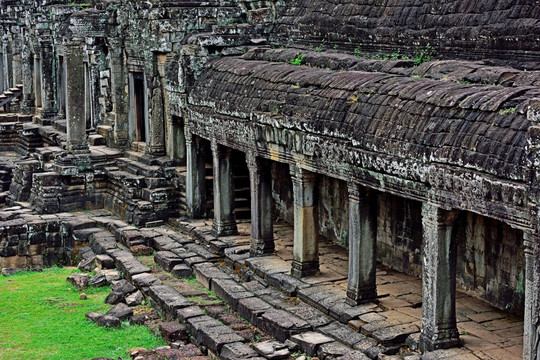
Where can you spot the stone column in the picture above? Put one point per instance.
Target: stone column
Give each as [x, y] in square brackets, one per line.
[195, 183]
[76, 122]
[439, 330]
[118, 92]
[48, 103]
[362, 285]
[262, 227]
[224, 217]
[531, 326]
[28, 101]
[156, 143]
[305, 248]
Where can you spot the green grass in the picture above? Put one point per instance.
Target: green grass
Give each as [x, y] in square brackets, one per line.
[42, 317]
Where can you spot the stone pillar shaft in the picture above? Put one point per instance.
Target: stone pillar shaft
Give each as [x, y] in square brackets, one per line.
[76, 122]
[224, 216]
[156, 143]
[47, 79]
[28, 101]
[439, 328]
[262, 227]
[306, 247]
[362, 285]
[118, 92]
[195, 182]
[531, 326]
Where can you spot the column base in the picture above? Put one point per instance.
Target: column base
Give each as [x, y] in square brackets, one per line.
[361, 296]
[443, 339]
[303, 269]
[224, 229]
[260, 247]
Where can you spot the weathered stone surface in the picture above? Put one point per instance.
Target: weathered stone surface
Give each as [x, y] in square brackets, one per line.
[104, 262]
[135, 299]
[123, 286]
[230, 291]
[237, 350]
[189, 312]
[104, 320]
[182, 271]
[120, 311]
[342, 333]
[252, 308]
[98, 280]
[395, 334]
[115, 297]
[282, 325]
[141, 250]
[272, 350]
[310, 341]
[167, 260]
[173, 331]
[79, 281]
[167, 299]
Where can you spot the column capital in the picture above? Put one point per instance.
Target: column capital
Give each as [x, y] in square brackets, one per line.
[438, 215]
[300, 174]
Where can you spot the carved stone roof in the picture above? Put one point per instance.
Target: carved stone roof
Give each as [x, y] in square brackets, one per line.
[472, 126]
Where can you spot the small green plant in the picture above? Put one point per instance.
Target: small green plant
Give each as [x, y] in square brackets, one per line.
[298, 59]
[321, 47]
[422, 55]
[255, 339]
[415, 76]
[508, 111]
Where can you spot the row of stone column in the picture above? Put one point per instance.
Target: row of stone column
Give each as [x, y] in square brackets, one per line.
[439, 328]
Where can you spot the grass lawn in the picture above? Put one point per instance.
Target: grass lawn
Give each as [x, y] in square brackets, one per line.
[42, 317]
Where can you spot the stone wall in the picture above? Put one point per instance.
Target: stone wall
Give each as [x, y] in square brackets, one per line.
[399, 234]
[491, 261]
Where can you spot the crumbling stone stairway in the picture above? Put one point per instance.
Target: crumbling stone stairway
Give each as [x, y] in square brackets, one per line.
[263, 297]
[11, 96]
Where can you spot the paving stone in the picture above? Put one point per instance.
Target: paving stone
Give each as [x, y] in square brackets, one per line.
[308, 313]
[395, 334]
[164, 243]
[141, 250]
[272, 350]
[189, 312]
[121, 311]
[182, 271]
[237, 350]
[173, 331]
[196, 324]
[282, 324]
[332, 350]
[310, 341]
[342, 333]
[167, 299]
[353, 355]
[372, 316]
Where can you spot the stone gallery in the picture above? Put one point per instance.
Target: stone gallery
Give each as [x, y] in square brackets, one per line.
[358, 178]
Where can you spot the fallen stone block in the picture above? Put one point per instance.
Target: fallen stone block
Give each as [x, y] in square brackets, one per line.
[310, 341]
[144, 281]
[123, 286]
[167, 300]
[236, 351]
[182, 271]
[141, 250]
[230, 291]
[189, 312]
[252, 309]
[173, 331]
[79, 281]
[272, 350]
[135, 299]
[121, 311]
[87, 264]
[205, 272]
[394, 335]
[214, 337]
[104, 262]
[342, 333]
[98, 280]
[167, 260]
[104, 320]
[282, 324]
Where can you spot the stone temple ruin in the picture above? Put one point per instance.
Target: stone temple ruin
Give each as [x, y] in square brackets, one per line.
[238, 122]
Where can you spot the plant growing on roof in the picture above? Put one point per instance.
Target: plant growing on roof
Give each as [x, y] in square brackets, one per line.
[298, 59]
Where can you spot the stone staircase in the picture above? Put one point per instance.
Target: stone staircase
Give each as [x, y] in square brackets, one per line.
[10, 98]
[145, 191]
